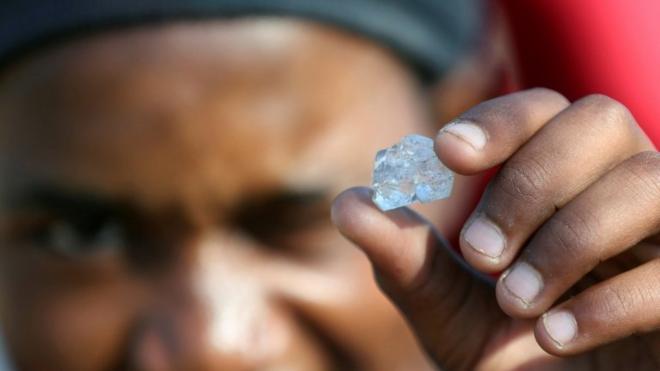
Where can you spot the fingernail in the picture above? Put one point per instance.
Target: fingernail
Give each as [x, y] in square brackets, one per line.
[485, 237]
[561, 326]
[524, 282]
[469, 132]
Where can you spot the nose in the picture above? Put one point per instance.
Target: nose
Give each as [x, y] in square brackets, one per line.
[213, 313]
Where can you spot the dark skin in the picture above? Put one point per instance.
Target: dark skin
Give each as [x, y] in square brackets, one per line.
[571, 218]
[165, 194]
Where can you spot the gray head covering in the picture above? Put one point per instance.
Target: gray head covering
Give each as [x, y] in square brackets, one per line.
[429, 34]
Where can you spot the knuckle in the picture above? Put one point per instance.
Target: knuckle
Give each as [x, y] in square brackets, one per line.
[519, 107]
[523, 180]
[610, 110]
[646, 162]
[568, 234]
[619, 303]
[643, 169]
[550, 95]
[625, 302]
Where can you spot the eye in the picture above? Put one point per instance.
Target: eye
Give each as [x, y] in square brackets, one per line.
[81, 238]
[279, 218]
[65, 223]
[73, 236]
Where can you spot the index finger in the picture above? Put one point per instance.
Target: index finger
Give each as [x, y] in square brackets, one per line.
[495, 129]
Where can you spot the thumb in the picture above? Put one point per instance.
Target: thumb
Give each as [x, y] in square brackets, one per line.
[451, 309]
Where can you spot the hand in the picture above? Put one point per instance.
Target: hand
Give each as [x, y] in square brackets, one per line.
[572, 217]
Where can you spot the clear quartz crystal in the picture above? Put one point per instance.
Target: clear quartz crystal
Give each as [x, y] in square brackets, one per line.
[409, 171]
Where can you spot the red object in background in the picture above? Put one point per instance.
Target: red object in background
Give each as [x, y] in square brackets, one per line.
[592, 46]
[581, 47]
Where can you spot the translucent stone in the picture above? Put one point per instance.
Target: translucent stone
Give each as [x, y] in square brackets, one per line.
[409, 171]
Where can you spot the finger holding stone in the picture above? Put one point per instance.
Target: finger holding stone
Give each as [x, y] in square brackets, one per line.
[612, 310]
[490, 132]
[568, 154]
[431, 286]
[610, 216]
[400, 243]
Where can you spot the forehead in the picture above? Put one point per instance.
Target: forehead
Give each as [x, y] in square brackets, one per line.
[204, 110]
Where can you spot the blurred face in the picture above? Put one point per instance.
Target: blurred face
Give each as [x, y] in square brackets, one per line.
[164, 200]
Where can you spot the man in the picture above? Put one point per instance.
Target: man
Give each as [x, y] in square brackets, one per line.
[166, 187]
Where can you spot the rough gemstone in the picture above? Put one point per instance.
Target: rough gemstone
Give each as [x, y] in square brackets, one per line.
[409, 171]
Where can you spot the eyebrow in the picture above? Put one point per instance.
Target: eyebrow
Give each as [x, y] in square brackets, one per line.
[69, 201]
[284, 196]
[58, 199]
[269, 205]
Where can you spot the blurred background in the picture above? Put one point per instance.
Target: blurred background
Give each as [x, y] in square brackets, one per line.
[167, 166]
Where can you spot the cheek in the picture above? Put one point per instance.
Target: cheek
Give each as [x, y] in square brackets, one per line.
[71, 333]
[337, 293]
[320, 268]
[334, 283]
[71, 320]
